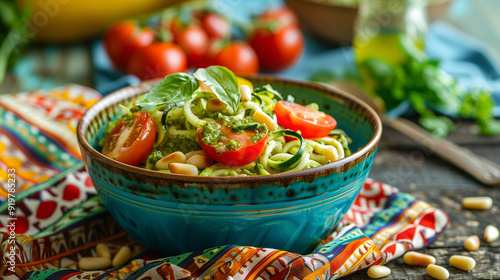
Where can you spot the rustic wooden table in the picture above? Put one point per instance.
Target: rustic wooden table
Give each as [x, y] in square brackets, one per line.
[398, 162]
[401, 163]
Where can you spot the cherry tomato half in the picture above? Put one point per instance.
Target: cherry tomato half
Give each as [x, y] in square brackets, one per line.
[311, 123]
[131, 140]
[278, 48]
[247, 153]
[238, 57]
[123, 38]
[157, 60]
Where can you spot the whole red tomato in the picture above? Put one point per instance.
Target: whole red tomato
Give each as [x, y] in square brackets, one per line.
[237, 56]
[157, 60]
[174, 26]
[277, 48]
[216, 26]
[283, 15]
[194, 41]
[123, 38]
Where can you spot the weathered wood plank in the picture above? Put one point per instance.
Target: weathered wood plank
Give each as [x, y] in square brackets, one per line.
[401, 163]
[487, 265]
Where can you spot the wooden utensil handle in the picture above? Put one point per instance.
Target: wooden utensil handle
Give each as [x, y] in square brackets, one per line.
[480, 168]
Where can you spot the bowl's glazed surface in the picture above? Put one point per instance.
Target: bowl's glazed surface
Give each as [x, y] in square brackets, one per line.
[177, 213]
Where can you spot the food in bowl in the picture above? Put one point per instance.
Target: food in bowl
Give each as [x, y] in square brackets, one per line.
[219, 129]
[292, 211]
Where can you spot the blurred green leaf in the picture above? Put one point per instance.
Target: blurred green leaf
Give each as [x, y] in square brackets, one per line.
[438, 125]
[426, 86]
[13, 38]
[489, 127]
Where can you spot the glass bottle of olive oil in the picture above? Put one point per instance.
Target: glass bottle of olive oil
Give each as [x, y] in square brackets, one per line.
[389, 30]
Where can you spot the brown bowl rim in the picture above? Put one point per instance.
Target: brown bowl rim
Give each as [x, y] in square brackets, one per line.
[235, 182]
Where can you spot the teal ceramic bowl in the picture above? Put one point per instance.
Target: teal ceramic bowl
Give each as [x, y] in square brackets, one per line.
[174, 214]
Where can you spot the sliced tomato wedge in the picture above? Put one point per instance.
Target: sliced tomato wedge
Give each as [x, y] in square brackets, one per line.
[247, 152]
[132, 139]
[311, 123]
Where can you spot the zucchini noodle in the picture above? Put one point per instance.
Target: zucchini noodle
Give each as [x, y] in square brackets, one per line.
[190, 117]
[177, 125]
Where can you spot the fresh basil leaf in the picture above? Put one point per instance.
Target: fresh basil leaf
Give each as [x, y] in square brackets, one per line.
[175, 87]
[222, 82]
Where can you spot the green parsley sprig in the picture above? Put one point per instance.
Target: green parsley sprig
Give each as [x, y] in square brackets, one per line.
[428, 89]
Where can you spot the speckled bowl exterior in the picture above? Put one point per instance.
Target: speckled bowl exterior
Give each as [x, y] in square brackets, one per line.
[174, 214]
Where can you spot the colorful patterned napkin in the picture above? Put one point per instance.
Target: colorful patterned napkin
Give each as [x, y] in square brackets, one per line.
[53, 217]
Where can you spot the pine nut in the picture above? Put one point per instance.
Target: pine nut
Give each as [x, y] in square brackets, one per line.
[245, 92]
[378, 271]
[490, 233]
[462, 262]
[102, 251]
[472, 243]
[200, 161]
[477, 202]
[198, 152]
[183, 168]
[331, 154]
[216, 105]
[91, 263]
[263, 118]
[177, 157]
[437, 272]
[122, 256]
[418, 259]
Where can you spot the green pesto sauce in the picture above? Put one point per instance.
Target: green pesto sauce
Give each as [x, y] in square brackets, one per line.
[212, 135]
[243, 124]
[170, 144]
[231, 173]
[233, 144]
[181, 143]
[261, 132]
[129, 120]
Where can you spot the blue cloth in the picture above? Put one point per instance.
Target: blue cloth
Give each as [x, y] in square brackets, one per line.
[106, 78]
[461, 55]
[469, 60]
